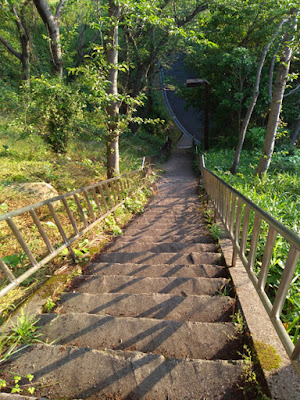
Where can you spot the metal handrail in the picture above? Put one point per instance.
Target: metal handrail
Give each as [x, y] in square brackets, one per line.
[106, 196]
[229, 204]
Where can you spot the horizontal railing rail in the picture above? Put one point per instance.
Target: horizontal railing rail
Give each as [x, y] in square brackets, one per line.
[80, 211]
[243, 221]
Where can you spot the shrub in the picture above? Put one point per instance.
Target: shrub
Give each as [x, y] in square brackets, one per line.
[56, 110]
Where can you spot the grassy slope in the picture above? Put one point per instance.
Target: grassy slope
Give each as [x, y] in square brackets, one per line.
[29, 160]
[278, 193]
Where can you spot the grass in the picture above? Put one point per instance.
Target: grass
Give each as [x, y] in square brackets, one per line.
[27, 159]
[278, 194]
[23, 332]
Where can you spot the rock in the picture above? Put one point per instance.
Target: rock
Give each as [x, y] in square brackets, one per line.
[37, 190]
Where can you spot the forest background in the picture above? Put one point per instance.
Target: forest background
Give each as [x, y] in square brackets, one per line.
[79, 83]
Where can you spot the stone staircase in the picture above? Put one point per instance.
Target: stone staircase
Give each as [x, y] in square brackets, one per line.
[149, 319]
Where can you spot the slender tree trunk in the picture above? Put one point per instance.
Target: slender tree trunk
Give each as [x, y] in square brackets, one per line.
[255, 94]
[295, 133]
[112, 110]
[52, 24]
[278, 93]
[24, 56]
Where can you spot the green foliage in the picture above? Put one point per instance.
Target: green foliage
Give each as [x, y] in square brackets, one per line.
[56, 109]
[112, 226]
[17, 387]
[24, 331]
[239, 323]
[216, 231]
[49, 305]
[278, 194]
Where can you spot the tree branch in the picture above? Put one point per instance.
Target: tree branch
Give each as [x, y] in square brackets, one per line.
[292, 91]
[60, 8]
[198, 9]
[10, 48]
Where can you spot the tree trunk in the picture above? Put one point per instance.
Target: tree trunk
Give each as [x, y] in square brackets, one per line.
[24, 56]
[52, 24]
[295, 133]
[255, 94]
[112, 110]
[277, 98]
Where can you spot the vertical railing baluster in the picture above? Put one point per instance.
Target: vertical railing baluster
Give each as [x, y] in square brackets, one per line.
[296, 353]
[90, 207]
[103, 198]
[245, 228]
[107, 190]
[237, 231]
[254, 242]
[266, 258]
[41, 230]
[118, 190]
[286, 279]
[81, 210]
[70, 215]
[61, 230]
[227, 212]
[232, 213]
[7, 272]
[21, 241]
[96, 200]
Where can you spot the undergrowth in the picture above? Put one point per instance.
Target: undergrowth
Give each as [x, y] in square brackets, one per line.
[277, 193]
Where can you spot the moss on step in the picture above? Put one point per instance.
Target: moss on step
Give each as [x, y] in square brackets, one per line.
[267, 356]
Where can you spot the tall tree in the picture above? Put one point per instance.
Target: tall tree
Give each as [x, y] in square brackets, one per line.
[18, 15]
[51, 22]
[251, 106]
[113, 107]
[278, 93]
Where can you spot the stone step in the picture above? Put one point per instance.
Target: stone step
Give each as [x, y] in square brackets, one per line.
[168, 221]
[157, 223]
[178, 202]
[174, 212]
[65, 372]
[151, 305]
[166, 230]
[172, 339]
[148, 238]
[182, 248]
[132, 285]
[157, 234]
[148, 257]
[158, 270]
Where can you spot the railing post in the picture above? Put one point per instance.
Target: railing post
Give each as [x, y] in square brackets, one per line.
[287, 276]
[7, 272]
[266, 258]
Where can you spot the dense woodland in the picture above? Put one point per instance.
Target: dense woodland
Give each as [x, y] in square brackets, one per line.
[79, 83]
[68, 64]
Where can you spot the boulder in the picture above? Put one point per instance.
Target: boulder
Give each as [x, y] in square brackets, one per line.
[37, 190]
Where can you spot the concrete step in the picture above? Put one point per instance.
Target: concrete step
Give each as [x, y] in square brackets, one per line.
[182, 248]
[158, 270]
[158, 234]
[151, 305]
[148, 238]
[159, 222]
[130, 285]
[166, 230]
[165, 220]
[148, 257]
[172, 339]
[83, 373]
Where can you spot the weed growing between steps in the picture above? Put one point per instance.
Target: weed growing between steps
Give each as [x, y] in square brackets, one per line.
[16, 337]
[16, 387]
